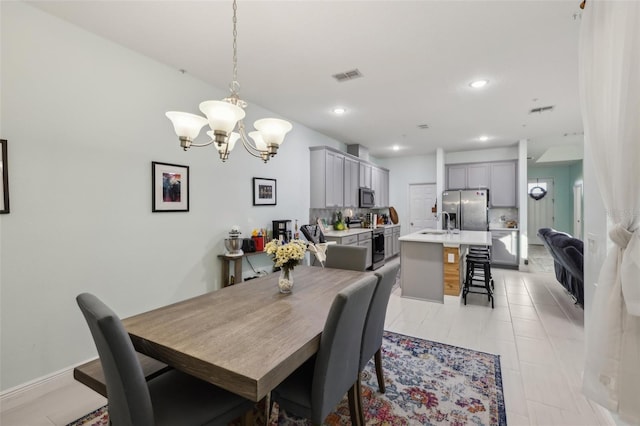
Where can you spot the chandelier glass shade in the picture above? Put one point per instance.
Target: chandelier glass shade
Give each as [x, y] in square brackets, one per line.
[225, 116]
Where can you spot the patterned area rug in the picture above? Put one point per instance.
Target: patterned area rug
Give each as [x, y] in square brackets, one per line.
[427, 383]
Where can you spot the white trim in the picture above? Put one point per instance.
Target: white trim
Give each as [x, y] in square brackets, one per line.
[36, 388]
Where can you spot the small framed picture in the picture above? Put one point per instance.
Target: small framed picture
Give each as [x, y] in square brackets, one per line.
[170, 187]
[4, 175]
[264, 192]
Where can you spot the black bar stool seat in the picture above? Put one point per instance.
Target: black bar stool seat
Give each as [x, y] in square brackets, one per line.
[478, 278]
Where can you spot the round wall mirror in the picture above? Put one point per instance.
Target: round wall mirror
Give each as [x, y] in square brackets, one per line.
[537, 192]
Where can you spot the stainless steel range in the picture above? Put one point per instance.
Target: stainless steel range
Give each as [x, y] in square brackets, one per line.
[378, 248]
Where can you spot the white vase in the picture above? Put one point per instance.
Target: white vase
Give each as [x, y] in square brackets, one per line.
[285, 280]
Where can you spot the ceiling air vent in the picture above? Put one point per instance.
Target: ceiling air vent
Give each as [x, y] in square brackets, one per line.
[541, 109]
[423, 126]
[347, 75]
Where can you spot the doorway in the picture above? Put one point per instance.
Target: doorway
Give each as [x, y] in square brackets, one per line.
[422, 199]
[577, 211]
[540, 207]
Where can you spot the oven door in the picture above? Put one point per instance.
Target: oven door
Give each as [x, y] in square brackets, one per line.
[378, 249]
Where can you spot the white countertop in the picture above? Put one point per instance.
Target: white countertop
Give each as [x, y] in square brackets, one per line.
[346, 232]
[479, 238]
[501, 228]
[353, 231]
[391, 225]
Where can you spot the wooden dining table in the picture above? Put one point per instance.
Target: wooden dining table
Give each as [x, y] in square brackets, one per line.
[246, 338]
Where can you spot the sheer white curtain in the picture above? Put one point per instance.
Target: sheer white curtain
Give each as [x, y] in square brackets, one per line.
[610, 97]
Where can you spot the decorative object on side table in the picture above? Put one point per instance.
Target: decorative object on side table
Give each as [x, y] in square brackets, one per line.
[233, 244]
[286, 256]
[4, 175]
[170, 187]
[264, 192]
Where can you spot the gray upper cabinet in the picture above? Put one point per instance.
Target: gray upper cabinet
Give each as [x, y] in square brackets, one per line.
[336, 178]
[468, 176]
[500, 177]
[478, 176]
[365, 175]
[457, 177]
[380, 185]
[327, 179]
[384, 188]
[504, 183]
[351, 181]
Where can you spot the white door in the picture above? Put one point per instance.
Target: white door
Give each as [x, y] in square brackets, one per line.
[577, 211]
[422, 199]
[540, 212]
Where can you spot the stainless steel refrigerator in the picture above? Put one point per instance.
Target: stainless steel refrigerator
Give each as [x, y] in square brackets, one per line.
[468, 209]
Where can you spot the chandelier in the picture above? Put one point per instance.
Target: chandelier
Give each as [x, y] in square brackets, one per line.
[225, 116]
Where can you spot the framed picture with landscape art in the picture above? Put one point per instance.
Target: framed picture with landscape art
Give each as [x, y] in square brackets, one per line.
[4, 175]
[170, 187]
[264, 192]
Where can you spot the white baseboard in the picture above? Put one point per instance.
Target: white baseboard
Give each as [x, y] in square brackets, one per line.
[34, 389]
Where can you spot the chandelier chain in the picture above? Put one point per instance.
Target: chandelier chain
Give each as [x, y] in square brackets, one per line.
[266, 140]
[234, 84]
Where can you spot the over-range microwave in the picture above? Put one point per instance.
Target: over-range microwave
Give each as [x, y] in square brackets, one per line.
[367, 198]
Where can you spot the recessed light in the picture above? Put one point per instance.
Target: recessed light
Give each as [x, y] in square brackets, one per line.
[483, 138]
[339, 110]
[478, 83]
[396, 148]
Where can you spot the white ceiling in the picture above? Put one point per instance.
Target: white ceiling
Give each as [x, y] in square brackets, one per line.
[417, 59]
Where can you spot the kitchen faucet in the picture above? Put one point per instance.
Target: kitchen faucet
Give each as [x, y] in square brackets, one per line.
[448, 220]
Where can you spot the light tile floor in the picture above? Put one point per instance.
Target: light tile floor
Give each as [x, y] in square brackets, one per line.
[535, 328]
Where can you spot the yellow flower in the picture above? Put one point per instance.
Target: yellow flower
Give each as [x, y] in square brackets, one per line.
[286, 255]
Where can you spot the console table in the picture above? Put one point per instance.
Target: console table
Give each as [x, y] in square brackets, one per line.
[237, 267]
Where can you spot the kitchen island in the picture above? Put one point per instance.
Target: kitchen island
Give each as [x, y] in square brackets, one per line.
[428, 255]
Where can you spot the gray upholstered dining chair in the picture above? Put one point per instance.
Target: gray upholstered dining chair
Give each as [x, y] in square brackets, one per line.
[172, 398]
[346, 257]
[316, 388]
[374, 327]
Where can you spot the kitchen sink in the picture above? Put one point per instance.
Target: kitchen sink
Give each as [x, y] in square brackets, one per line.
[433, 232]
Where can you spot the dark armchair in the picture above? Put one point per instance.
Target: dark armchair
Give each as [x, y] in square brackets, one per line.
[568, 256]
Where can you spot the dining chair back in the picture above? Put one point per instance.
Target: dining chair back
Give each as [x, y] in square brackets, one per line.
[341, 256]
[128, 395]
[374, 323]
[170, 398]
[374, 329]
[316, 388]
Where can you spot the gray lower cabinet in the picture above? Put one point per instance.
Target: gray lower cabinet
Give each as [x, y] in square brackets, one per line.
[396, 240]
[504, 248]
[391, 241]
[347, 241]
[388, 243]
[361, 239]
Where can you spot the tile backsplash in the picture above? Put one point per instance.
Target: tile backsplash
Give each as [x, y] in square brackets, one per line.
[329, 214]
[498, 216]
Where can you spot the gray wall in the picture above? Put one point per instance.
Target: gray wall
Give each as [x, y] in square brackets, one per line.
[84, 118]
[404, 171]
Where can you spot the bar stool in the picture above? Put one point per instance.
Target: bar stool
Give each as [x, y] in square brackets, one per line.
[478, 274]
[482, 251]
